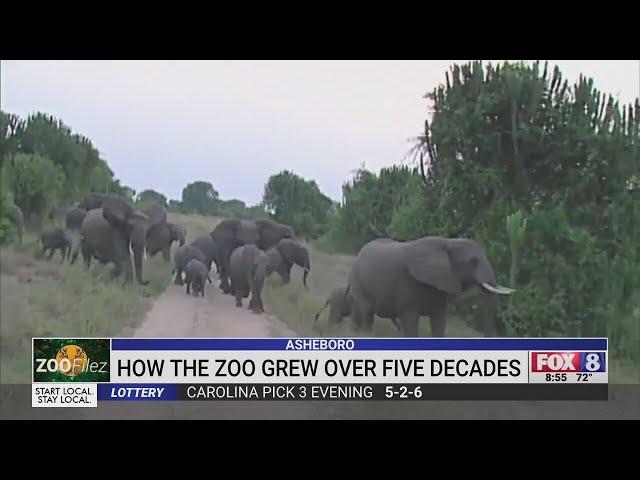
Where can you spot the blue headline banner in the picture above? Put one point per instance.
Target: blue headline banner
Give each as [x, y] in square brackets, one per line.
[315, 344]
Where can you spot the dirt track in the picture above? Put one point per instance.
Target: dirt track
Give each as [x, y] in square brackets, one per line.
[176, 314]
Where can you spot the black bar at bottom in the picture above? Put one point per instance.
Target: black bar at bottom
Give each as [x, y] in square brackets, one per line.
[395, 392]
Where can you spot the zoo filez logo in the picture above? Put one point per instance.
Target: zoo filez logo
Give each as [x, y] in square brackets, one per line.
[71, 360]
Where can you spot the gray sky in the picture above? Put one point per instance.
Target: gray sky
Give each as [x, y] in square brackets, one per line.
[163, 124]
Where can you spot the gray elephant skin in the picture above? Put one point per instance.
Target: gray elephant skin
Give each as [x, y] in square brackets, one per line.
[287, 253]
[210, 249]
[183, 256]
[249, 267]
[196, 274]
[160, 237]
[74, 218]
[406, 280]
[340, 302]
[233, 233]
[105, 243]
[127, 228]
[56, 238]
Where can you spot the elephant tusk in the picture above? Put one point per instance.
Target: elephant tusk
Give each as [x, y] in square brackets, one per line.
[499, 289]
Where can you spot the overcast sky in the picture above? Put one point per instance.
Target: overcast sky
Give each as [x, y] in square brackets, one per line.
[163, 124]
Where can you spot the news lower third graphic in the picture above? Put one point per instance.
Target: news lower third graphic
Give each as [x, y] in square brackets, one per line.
[273, 369]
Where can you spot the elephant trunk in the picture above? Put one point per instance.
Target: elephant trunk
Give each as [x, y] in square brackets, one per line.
[304, 277]
[137, 258]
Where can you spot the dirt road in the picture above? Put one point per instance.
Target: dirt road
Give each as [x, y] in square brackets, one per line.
[176, 314]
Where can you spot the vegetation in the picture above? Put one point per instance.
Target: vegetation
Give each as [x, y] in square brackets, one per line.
[544, 174]
[294, 201]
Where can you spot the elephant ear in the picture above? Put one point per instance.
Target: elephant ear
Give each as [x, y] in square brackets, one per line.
[427, 261]
[156, 215]
[116, 210]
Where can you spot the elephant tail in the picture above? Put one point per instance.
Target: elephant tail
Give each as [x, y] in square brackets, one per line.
[321, 310]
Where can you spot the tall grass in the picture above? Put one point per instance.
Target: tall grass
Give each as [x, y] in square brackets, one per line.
[47, 298]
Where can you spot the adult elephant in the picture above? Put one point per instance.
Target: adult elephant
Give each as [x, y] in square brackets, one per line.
[74, 218]
[285, 254]
[92, 201]
[161, 233]
[233, 233]
[210, 249]
[102, 241]
[127, 229]
[405, 280]
[249, 268]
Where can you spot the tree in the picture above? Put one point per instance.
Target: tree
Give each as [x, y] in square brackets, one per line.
[200, 197]
[288, 197]
[518, 138]
[35, 181]
[147, 197]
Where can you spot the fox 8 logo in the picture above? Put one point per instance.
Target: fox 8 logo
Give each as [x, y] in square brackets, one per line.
[584, 362]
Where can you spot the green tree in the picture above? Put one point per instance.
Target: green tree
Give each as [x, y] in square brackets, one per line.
[518, 137]
[200, 197]
[35, 181]
[147, 197]
[288, 197]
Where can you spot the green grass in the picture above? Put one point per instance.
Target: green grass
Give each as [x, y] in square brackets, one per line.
[47, 298]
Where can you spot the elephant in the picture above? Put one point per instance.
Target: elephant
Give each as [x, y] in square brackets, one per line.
[196, 274]
[136, 226]
[161, 236]
[210, 249]
[232, 233]
[249, 267]
[285, 254]
[405, 280]
[17, 217]
[126, 230]
[56, 238]
[341, 303]
[100, 240]
[91, 201]
[74, 218]
[183, 256]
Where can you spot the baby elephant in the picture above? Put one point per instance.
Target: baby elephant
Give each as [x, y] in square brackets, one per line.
[56, 238]
[183, 256]
[341, 302]
[249, 269]
[196, 274]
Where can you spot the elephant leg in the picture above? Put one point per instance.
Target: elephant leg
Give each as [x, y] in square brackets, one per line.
[362, 317]
[86, 257]
[51, 252]
[178, 279]
[63, 254]
[188, 288]
[438, 319]
[204, 283]
[238, 298]
[409, 322]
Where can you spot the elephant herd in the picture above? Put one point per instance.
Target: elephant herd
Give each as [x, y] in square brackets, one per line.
[245, 252]
[400, 281]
